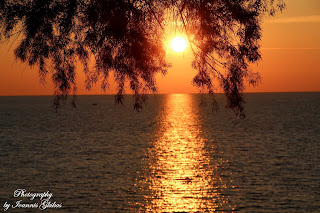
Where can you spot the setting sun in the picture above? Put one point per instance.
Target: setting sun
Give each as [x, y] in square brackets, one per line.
[178, 44]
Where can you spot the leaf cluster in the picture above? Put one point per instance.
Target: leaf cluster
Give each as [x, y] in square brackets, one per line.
[124, 37]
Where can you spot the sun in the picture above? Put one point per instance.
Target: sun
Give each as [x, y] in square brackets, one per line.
[178, 44]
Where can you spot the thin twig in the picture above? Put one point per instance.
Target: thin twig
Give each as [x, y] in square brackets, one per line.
[196, 54]
[153, 13]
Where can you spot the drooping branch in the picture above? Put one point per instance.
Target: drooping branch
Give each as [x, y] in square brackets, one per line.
[124, 37]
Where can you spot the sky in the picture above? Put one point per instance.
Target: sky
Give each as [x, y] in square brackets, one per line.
[290, 49]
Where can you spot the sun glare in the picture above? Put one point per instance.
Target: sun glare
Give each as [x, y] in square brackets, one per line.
[178, 44]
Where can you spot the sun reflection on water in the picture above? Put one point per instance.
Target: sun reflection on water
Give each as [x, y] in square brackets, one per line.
[180, 177]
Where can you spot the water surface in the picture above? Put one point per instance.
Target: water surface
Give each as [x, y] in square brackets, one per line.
[175, 156]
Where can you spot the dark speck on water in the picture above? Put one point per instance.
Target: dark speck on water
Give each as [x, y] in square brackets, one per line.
[174, 156]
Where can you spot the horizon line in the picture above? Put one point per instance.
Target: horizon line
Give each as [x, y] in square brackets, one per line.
[160, 94]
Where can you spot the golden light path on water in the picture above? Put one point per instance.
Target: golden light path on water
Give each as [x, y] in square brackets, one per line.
[181, 177]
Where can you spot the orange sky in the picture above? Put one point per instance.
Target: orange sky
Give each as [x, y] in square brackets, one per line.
[290, 52]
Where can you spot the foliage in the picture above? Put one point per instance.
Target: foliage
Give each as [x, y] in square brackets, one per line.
[124, 37]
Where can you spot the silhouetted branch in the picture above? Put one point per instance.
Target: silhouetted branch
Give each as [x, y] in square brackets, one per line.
[123, 37]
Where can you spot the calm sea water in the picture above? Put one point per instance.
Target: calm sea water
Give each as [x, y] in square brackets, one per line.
[174, 156]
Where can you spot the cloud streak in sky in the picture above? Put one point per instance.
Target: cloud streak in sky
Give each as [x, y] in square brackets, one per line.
[285, 48]
[296, 19]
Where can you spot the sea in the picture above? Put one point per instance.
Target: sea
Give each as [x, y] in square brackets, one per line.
[175, 155]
